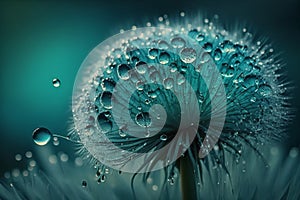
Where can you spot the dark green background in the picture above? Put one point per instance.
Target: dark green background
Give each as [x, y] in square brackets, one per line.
[40, 41]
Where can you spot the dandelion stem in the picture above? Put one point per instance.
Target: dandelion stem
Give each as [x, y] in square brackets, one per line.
[187, 176]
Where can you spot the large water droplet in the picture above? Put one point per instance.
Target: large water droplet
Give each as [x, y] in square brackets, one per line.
[178, 42]
[108, 85]
[143, 119]
[164, 58]
[41, 136]
[188, 55]
[56, 82]
[163, 44]
[105, 100]
[104, 122]
[123, 70]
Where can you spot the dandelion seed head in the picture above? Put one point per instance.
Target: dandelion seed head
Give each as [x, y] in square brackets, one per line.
[256, 107]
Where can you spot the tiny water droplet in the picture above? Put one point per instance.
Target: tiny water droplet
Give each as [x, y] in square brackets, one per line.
[163, 137]
[41, 136]
[56, 82]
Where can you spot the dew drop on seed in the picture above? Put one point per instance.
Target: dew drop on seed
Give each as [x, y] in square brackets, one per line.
[56, 82]
[104, 122]
[265, 90]
[178, 42]
[141, 67]
[188, 55]
[164, 58]
[106, 100]
[163, 137]
[168, 83]
[123, 70]
[143, 119]
[217, 55]
[41, 136]
[152, 53]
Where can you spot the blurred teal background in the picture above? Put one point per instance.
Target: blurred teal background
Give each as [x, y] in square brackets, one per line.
[40, 41]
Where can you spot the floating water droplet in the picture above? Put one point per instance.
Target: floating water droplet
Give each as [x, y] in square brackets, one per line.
[18, 157]
[123, 70]
[102, 179]
[143, 119]
[41, 136]
[178, 42]
[164, 58]
[163, 137]
[105, 100]
[56, 82]
[188, 55]
[168, 83]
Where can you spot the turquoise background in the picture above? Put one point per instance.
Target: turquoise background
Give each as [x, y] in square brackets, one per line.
[40, 41]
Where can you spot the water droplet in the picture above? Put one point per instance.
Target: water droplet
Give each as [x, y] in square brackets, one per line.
[104, 122]
[253, 99]
[226, 70]
[105, 100]
[139, 85]
[108, 85]
[217, 54]
[152, 53]
[188, 55]
[102, 179]
[178, 42]
[180, 79]
[164, 58]
[141, 67]
[123, 70]
[143, 119]
[56, 82]
[265, 90]
[84, 183]
[163, 44]
[208, 47]
[168, 83]
[200, 37]
[163, 137]
[41, 136]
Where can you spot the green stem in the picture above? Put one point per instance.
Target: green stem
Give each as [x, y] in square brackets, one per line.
[188, 186]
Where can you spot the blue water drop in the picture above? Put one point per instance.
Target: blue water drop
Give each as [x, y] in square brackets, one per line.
[41, 136]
